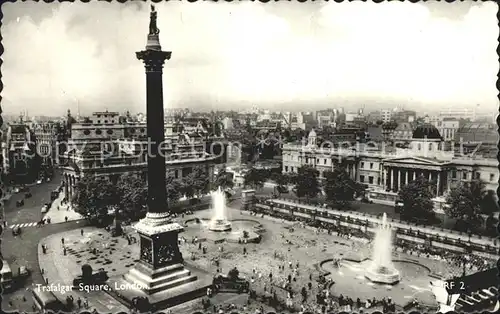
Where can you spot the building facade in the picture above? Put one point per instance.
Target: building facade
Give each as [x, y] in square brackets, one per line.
[48, 136]
[19, 153]
[384, 170]
[458, 113]
[104, 145]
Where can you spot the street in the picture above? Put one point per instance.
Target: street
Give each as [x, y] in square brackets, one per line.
[22, 250]
[30, 211]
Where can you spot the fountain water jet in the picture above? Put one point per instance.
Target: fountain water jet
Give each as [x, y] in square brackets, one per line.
[219, 221]
[382, 269]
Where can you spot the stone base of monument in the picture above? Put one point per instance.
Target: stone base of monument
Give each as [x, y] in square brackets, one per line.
[383, 275]
[163, 287]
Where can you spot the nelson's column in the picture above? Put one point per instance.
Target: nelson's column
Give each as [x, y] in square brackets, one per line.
[160, 275]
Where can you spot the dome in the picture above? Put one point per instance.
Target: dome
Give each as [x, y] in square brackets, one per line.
[426, 131]
[312, 133]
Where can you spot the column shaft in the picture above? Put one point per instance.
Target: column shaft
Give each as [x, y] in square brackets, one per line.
[390, 180]
[399, 180]
[438, 186]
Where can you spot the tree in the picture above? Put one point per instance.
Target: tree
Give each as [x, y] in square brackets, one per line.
[417, 201]
[308, 185]
[224, 180]
[94, 197]
[281, 181]
[489, 203]
[491, 226]
[464, 204]
[291, 177]
[201, 180]
[339, 187]
[195, 184]
[255, 178]
[174, 187]
[188, 186]
[133, 196]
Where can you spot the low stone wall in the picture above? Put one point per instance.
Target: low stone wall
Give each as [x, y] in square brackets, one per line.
[408, 232]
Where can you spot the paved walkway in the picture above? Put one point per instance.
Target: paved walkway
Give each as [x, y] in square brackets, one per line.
[58, 213]
[436, 231]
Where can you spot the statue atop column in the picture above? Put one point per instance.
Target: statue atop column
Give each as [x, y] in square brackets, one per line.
[153, 28]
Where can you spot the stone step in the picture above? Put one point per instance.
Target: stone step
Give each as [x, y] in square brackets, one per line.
[159, 272]
[136, 276]
[174, 283]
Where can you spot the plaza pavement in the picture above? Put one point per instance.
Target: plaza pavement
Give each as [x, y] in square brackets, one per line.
[59, 269]
[308, 247]
[279, 246]
[118, 256]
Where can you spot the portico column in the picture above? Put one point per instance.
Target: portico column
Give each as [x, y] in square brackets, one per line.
[355, 165]
[448, 182]
[430, 176]
[399, 179]
[407, 174]
[389, 180]
[414, 175]
[438, 183]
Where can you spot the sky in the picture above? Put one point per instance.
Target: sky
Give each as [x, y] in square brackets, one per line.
[283, 56]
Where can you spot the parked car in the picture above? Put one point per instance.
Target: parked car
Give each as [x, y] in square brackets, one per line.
[39, 182]
[17, 190]
[28, 195]
[19, 203]
[45, 209]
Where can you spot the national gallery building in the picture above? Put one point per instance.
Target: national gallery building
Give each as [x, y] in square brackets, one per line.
[384, 170]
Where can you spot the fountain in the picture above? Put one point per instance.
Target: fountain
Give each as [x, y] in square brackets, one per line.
[219, 221]
[382, 269]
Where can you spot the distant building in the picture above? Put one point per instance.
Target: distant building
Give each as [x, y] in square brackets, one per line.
[484, 133]
[404, 116]
[227, 122]
[49, 137]
[447, 128]
[19, 153]
[404, 131]
[458, 113]
[374, 133]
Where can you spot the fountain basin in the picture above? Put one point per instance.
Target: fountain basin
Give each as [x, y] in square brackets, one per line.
[200, 228]
[219, 225]
[383, 275]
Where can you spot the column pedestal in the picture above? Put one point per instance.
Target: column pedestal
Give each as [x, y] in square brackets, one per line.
[161, 275]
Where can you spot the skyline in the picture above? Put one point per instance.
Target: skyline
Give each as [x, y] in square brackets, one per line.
[286, 56]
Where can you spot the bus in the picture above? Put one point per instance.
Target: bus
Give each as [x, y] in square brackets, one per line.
[45, 300]
[6, 273]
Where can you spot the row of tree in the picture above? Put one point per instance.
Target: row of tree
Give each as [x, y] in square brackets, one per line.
[468, 203]
[338, 186]
[97, 196]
